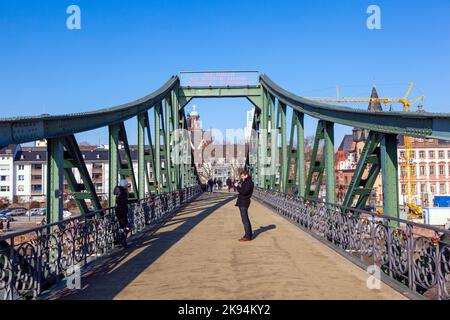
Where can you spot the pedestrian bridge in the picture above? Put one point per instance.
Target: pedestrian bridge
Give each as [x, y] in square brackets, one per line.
[185, 242]
[196, 255]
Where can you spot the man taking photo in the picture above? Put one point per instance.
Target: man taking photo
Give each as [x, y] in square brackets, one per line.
[245, 189]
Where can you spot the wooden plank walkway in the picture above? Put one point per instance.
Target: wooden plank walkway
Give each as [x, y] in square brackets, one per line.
[196, 255]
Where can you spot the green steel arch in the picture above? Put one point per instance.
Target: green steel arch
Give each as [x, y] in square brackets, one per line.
[269, 139]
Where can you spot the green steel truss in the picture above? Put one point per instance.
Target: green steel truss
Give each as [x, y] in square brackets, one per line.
[317, 166]
[276, 157]
[369, 166]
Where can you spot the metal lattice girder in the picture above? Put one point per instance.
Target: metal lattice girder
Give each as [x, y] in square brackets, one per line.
[253, 94]
[297, 154]
[157, 173]
[369, 164]
[55, 172]
[118, 136]
[316, 167]
[142, 164]
[284, 166]
[330, 181]
[150, 157]
[415, 124]
[27, 129]
[389, 176]
[73, 159]
[272, 147]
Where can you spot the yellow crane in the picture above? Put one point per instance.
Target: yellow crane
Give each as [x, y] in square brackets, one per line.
[408, 161]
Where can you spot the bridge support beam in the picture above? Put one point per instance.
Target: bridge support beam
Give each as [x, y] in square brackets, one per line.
[316, 166]
[141, 156]
[329, 162]
[113, 164]
[73, 159]
[284, 165]
[300, 163]
[296, 180]
[55, 173]
[389, 176]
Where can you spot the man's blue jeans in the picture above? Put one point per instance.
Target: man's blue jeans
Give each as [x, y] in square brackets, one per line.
[246, 222]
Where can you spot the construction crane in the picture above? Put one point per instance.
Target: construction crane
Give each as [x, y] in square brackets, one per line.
[414, 211]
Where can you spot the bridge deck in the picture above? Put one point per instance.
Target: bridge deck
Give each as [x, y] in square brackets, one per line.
[196, 255]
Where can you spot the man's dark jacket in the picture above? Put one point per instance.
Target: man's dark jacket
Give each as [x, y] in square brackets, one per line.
[245, 190]
[121, 194]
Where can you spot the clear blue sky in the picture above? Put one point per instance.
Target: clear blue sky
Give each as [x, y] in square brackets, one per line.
[127, 49]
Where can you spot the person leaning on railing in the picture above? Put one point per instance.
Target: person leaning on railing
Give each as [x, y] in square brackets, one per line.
[121, 210]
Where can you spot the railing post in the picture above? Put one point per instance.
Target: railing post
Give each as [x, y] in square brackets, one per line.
[389, 176]
[55, 175]
[329, 162]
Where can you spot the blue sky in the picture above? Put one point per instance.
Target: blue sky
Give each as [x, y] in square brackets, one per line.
[127, 49]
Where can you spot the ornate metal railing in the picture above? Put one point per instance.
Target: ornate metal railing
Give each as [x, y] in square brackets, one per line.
[416, 255]
[33, 260]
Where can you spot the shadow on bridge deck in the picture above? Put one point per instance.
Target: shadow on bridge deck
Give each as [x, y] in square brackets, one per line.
[196, 255]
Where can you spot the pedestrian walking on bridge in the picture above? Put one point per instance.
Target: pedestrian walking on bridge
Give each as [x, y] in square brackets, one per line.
[245, 189]
[121, 210]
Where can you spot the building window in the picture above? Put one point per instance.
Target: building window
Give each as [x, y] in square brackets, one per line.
[431, 154]
[448, 154]
[36, 166]
[402, 171]
[36, 187]
[97, 165]
[441, 170]
[36, 177]
[432, 188]
[97, 176]
[403, 189]
[4, 188]
[432, 172]
[21, 167]
[442, 188]
[413, 154]
[402, 154]
[3, 178]
[441, 154]
[20, 188]
[98, 186]
[422, 154]
[21, 177]
[422, 188]
[38, 157]
[422, 170]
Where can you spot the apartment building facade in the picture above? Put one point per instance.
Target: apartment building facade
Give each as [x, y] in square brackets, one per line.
[431, 170]
[23, 172]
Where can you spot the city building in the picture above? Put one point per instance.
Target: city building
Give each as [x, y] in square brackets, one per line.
[431, 170]
[7, 181]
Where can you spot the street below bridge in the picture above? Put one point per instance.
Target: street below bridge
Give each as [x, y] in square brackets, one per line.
[196, 255]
